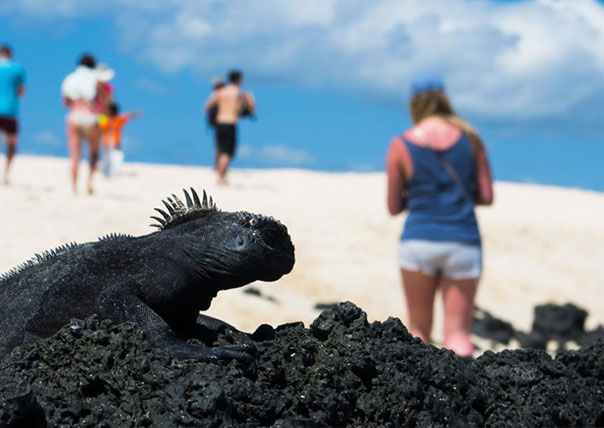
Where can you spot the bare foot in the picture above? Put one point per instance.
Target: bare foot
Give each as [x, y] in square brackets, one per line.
[6, 181]
[90, 190]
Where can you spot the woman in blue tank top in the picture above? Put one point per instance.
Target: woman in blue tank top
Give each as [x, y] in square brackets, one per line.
[438, 170]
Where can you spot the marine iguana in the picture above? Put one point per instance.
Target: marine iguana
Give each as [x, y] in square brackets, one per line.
[159, 281]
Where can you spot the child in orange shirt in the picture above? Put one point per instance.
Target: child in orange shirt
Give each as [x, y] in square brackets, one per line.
[111, 125]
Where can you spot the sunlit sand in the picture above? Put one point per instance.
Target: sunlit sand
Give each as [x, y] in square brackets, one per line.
[542, 244]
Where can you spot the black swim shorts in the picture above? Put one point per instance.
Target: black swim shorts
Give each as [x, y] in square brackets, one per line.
[9, 125]
[226, 138]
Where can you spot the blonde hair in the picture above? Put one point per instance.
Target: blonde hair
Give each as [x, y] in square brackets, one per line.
[436, 103]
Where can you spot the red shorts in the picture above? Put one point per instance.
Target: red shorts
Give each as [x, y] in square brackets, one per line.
[9, 125]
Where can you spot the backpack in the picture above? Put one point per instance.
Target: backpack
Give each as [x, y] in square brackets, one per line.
[244, 109]
[212, 115]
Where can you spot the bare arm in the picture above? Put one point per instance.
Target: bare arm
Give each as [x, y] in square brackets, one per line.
[396, 177]
[135, 113]
[20, 90]
[484, 178]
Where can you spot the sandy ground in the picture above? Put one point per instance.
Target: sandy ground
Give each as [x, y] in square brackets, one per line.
[542, 244]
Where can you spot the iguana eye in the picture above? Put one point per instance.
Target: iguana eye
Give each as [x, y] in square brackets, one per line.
[253, 222]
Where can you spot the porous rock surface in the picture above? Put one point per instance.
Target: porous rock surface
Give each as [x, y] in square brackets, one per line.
[552, 323]
[342, 371]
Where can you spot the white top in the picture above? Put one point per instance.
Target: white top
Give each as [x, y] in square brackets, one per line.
[80, 84]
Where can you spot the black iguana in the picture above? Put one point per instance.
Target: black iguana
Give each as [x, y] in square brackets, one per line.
[159, 281]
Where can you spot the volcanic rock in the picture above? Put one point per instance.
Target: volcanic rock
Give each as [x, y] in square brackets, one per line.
[341, 371]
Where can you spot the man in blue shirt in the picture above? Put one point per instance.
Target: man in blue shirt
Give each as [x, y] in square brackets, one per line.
[12, 86]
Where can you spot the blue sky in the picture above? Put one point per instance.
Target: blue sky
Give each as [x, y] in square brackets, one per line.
[331, 77]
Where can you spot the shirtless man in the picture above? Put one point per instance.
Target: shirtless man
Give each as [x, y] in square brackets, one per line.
[231, 101]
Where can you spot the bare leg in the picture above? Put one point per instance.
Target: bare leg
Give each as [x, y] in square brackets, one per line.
[94, 146]
[420, 290]
[74, 140]
[11, 149]
[223, 164]
[458, 298]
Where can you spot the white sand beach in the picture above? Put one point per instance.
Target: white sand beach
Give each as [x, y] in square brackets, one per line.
[542, 244]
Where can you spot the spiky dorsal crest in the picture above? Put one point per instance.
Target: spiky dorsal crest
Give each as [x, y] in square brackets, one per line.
[178, 212]
[112, 236]
[39, 258]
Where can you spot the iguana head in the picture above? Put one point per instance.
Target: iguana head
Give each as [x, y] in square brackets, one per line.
[227, 249]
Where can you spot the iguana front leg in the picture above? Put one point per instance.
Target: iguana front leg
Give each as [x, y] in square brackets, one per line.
[121, 306]
[207, 329]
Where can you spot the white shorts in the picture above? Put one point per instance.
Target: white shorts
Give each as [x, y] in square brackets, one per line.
[454, 260]
[82, 119]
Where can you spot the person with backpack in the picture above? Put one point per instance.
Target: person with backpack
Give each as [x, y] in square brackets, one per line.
[438, 171]
[228, 103]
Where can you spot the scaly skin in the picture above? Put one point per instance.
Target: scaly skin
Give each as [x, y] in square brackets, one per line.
[159, 281]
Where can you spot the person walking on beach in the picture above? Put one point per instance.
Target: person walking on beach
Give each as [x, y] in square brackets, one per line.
[438, 170]
[79, 90]
[232, 104]
[12, 87]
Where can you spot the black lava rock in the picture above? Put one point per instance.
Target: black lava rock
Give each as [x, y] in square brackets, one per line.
[561, 322]
[487, 326]
[342, 371]
[557, 323]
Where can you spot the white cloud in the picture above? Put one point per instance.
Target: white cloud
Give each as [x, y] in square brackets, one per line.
[131, 144]
[47, 138]
[245, 152]
[363, 167]
[56, 8]
[48, 9]
[149, 85]
[193, 27]
[287, 155]
[501, 61]
[526, 59]
[277, 155]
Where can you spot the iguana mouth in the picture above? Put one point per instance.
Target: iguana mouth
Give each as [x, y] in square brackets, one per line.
[212, 292]
[285, 253]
